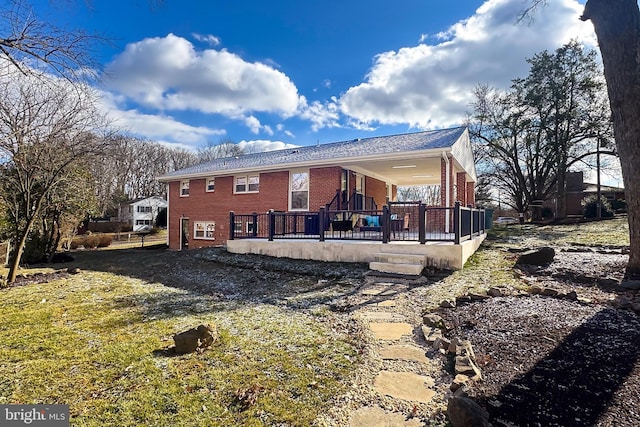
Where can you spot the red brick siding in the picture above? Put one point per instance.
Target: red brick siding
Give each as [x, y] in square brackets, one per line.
[323, 184]
[215, 206]
[461, 188]
[376, 189]
[471, 193]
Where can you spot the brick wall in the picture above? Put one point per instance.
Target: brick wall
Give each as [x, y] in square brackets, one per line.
[461, 188]
[201, 206]
[471, 193]
[323, 182]
[376, 189]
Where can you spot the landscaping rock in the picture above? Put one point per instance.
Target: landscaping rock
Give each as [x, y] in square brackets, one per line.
[540, 256]
[459, 381]
[431, 334]
[75, 270]
[495, 292]
[535, 289]
[464, 412]
[477, 297]
[548, 292]
[464, 365]
[199, 338]
[447, 304]
[630, 284]
[433, 320]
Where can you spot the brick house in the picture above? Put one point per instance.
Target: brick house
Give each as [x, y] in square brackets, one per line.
[304, 179]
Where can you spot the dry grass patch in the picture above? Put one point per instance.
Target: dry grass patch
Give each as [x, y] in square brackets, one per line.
[98, 341]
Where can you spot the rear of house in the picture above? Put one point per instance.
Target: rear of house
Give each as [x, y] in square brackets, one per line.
[361, 172]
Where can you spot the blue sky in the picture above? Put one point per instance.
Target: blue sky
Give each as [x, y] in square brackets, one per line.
[266, 74]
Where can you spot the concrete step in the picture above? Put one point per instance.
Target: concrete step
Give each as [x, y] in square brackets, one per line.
[401, 258]
[391, 267]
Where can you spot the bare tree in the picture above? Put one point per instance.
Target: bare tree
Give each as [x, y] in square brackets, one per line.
[47, 126]
[224, 148]
[30, 43]
[428, 194]
[548, 121]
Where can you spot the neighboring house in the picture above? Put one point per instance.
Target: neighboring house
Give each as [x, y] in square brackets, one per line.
[363, 173]
[141, 214]
[577, 190]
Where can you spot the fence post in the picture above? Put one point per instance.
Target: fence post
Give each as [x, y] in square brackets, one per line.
[422, 223]
[232, 225]
[272, 224]
[255, 224]
[456, 223]
[322, 216]
[386, 224]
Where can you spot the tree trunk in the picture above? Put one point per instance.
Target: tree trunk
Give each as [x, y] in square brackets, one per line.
[14, 264]
[617, 26]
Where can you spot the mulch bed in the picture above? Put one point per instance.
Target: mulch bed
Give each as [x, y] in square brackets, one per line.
[555, 362]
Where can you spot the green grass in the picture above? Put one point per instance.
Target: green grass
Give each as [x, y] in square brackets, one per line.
[98, 342]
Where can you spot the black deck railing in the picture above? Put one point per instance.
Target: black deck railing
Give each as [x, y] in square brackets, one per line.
[398, 221]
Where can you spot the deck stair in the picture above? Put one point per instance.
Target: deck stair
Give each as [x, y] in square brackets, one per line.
[398, 263]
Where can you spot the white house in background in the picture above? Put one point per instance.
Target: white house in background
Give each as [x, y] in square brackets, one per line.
[141, 213]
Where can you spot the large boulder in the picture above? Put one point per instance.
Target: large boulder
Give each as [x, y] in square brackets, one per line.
[542, 256]
[464, 412]
[199, 338]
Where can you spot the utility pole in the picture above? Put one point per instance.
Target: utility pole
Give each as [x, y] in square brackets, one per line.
[598, 191]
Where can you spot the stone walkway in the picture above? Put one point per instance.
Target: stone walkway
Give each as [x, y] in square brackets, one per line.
[409, 381]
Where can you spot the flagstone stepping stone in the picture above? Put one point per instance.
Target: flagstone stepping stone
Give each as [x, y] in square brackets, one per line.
[372, 292]
[377, 417]
[390, 331]
[405, 385]
[404, 352]
[388, 303]
[380, 316]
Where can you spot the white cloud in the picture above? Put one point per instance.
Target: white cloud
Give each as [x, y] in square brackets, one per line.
[289, 134]
[260, 145]
[154, 126]
[207, 38]
[255, 126]
[429, 86]
[168, 73]
[321, 115]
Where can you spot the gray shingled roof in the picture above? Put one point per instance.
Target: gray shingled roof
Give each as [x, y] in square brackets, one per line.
[380, 145]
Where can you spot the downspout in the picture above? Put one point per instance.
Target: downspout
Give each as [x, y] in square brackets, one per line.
[168, 223]
[447, 190]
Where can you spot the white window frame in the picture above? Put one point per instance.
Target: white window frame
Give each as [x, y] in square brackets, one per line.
[144, 209]
[247, 179]
[206, 184]
[291, 174]
[184, 187]
[204, 230]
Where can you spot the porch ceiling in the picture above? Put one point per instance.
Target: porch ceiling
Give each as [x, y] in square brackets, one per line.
[403, 171]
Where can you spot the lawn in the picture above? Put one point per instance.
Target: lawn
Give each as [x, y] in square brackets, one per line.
[98, 341]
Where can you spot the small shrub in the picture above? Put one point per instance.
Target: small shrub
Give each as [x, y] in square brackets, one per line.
[76, 242]
[590, 207]
[92, 241]
[105, 240]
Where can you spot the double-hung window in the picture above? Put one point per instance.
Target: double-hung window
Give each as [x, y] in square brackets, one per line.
[204, 230]
[247, 184]
[184, 188]
[211, 185]
[299, 190]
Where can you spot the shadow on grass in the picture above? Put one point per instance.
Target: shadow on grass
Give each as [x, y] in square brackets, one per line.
[577, 382]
